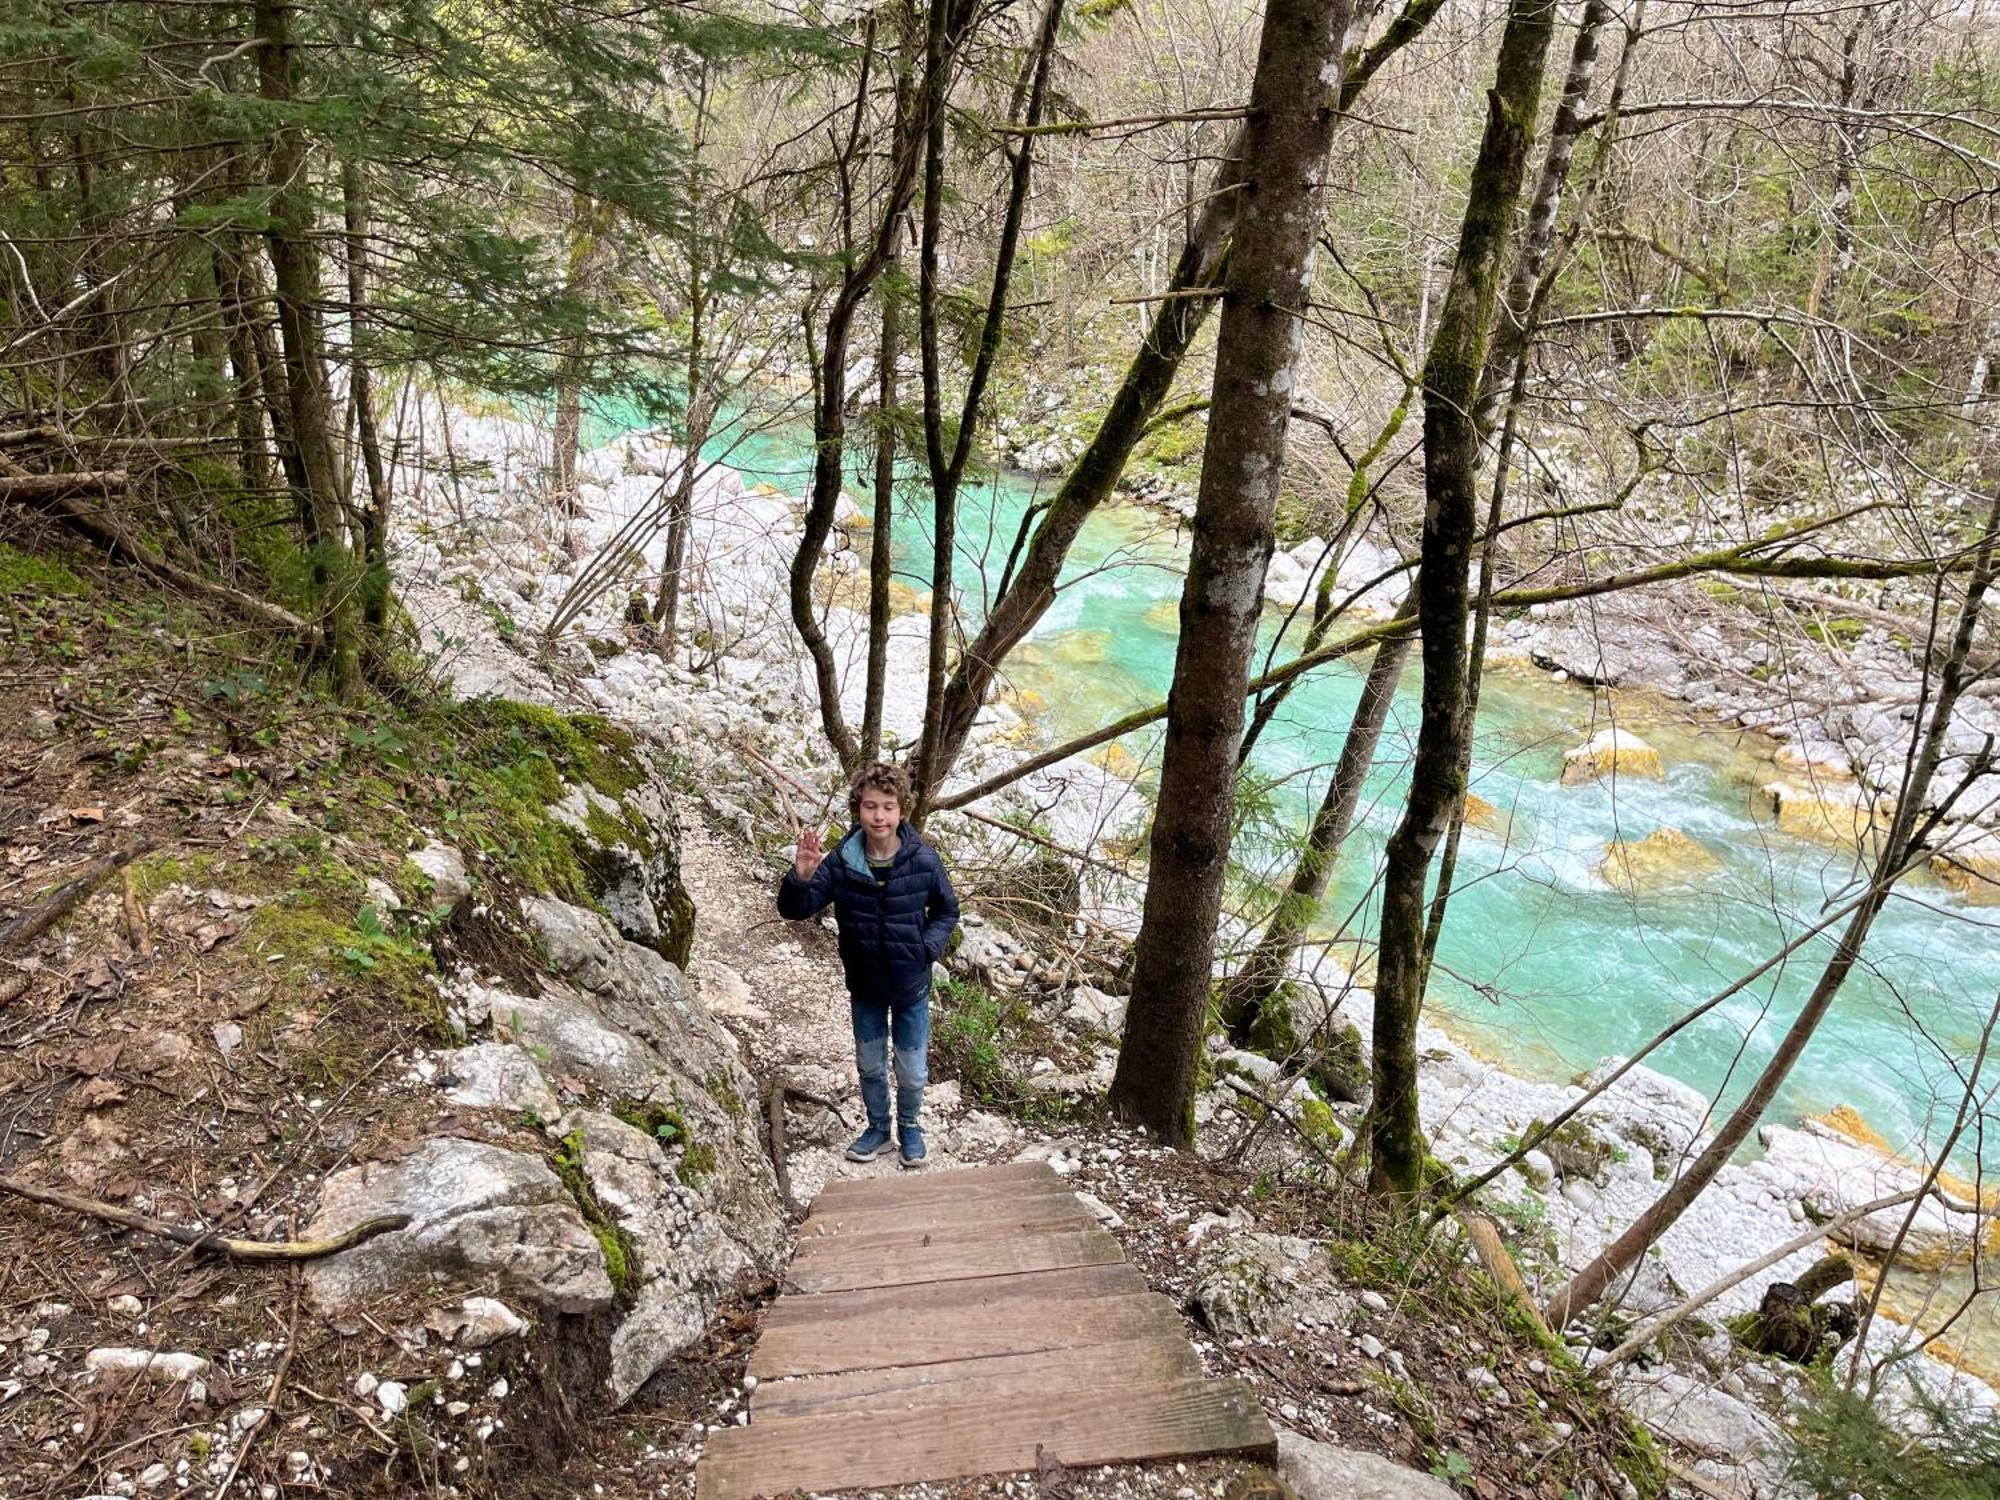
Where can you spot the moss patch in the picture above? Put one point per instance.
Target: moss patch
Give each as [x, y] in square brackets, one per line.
[23, 573]
[619, 1253]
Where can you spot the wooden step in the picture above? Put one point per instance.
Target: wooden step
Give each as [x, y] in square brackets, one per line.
[887, 1232]
[923, 1335]
[905, 1187]
[1112, 1424]
[1052, 1288]
[935, 1195]
[900, 1390]
[840, 1270]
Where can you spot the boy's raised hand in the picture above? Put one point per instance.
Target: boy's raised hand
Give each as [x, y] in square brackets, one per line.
[806, 858]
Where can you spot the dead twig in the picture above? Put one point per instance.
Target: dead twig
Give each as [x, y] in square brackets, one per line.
[32, 924]
[271, 1394]
[775, 1111]
[284, 1252]
[135, 917]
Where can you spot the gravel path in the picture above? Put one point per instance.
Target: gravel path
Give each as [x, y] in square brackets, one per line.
[777, 986]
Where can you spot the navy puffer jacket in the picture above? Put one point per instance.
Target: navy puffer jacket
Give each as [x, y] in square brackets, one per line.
[890, 933]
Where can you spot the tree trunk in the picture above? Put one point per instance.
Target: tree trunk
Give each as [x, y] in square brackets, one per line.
[1183, 308]
[1589, 1283]
[680, 516]
[881, 536]
[1451, 474]
[361, 388]
[946, 472]
[1250, 989]
[296, 272]
[830, 414]
[1505, 384]
[1293, 106]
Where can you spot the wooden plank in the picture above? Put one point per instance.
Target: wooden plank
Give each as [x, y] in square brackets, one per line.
[904, 1390]
[1051, 1288]
[921, 1236]
[946, 1211]
[1116, 1424]
[912, 1334]
[864, 1266]
[844, 1189]
[938, 1194]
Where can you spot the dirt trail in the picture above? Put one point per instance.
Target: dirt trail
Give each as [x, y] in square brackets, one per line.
[777, 986]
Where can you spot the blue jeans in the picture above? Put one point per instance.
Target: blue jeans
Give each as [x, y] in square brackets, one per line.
[877, 1024]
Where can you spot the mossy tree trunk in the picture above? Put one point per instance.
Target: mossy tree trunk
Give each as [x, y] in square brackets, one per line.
[1451, 387]
[295, 270]
[1293, 106]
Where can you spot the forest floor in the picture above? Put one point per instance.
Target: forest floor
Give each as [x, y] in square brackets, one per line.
[219, 1025]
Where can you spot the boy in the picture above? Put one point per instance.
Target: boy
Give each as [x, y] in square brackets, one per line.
[895, 908]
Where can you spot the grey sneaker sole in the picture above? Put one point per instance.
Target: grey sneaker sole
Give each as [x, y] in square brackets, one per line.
[910, 1165]
[876, 1155]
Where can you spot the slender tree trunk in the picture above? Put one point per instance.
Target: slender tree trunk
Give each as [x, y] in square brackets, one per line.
[361, 388]
[1451, 474]
[680, 517]
[296, 273]
[1505, 384]
[947, 472]
[1250, 989]
[830, 411]
[1182, 309]
[246, 378]
[881, 536]
[1293, 102]
[1589, 1284]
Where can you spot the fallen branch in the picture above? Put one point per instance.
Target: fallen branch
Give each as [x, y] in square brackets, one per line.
[31, 924]
[1650, 1331]
[55, 486]
[1499, 1263]
[135, 918]
[134, 551]
[282, 1252]
[775, 1112]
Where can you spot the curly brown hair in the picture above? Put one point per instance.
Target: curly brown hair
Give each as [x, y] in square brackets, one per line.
[882, 777]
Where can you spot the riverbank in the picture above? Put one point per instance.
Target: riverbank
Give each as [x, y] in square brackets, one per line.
[484, 568]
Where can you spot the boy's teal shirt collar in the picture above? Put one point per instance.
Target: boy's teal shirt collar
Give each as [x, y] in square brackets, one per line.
[854, 849]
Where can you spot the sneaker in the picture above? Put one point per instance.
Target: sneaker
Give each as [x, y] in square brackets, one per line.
[911, 1149]
[870, 1144]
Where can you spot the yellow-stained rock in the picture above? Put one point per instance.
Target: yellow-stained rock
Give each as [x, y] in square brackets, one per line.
[1972, 868]
[1612, 752]
[850, 591]
[1481, 814]
[1663, 859]
[1833, 814]
[1116, 759]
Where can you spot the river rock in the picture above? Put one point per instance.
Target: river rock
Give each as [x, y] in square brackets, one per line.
[1835, 1164]
[1829, 812]
[1612, 752]
[1663, 859]
[154, 1364]
[1252, 1283]
[1969, 863]
[1321, 1471]
[480, 1213]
